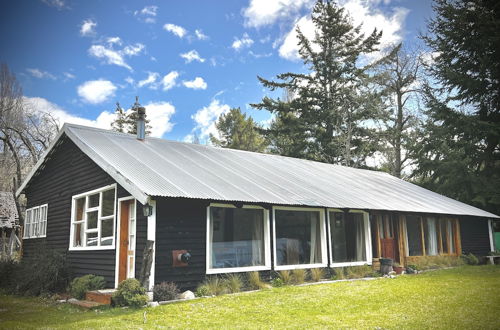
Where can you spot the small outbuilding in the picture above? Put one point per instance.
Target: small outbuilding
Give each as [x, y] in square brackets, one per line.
[9, 226]
[100, 196]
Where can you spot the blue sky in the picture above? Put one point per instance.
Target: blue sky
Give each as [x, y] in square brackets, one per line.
[188, 61]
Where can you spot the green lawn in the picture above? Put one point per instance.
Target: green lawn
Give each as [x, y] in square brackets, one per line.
[466, 297]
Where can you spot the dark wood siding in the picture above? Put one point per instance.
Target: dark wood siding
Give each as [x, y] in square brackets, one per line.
[475, 236]
[69, 172]
[180, 225]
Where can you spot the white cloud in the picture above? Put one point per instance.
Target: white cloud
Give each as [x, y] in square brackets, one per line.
[88, 28]
[133, 50]
[266, 12]
[116, 57]
[150, 80]
[191, 56]
[200, 35]
[206, 117]
[37, 73]
[114, 40]
[147, 14]
[42, 105]
[96, 91]
[68, 75]
[257, 55]
[159, 114]
[111, 56]
[169, 80]
[244, 42]
[129, 80]
[362, 12]
[197, 83]
[175, 29]
[58, 4]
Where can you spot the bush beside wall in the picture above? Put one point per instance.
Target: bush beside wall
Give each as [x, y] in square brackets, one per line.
[80, 285]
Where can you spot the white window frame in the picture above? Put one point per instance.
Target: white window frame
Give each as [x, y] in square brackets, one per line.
[324, 256]
[99, 220]
[32, 225]
[267, 249]
[368, 240]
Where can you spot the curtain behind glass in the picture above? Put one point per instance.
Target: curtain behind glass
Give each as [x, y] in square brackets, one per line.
[431, 240]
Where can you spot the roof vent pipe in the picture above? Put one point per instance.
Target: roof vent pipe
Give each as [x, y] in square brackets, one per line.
[141, 119]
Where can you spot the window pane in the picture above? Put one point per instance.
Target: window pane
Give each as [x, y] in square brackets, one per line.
[451, 235]
[27, 224]
[92, 239]
[298, 237]
[348, 237]
[107, 228]
[78, 235]
[92, 220]
[108, 203]
[35, 221]
[80, 207]
[444, 236]
[237, 237]
[414, 236]
[94, 200]
[431, 239]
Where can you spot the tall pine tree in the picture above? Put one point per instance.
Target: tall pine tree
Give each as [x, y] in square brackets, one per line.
[236, 131]
[458, 153]
[330, 105]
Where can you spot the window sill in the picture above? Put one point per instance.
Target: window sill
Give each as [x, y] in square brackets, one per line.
[92, 248]
[35, 237]
[237, 269]
[351, 263]
[300, 266]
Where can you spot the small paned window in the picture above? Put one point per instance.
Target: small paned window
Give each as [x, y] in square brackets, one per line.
[35, 224]
[93, 219]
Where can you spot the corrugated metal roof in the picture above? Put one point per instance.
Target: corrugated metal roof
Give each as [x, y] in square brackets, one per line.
[158, 167]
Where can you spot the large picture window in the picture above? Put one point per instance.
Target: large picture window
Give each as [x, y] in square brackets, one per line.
[35, 225]
[237, 239]
[93, 219]
[348, 237]
[299, 238]
[430, 236]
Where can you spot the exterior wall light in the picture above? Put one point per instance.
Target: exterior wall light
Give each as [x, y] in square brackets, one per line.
[147, 210]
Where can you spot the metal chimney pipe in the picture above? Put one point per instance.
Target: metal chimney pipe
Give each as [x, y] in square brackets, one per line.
[141, 119]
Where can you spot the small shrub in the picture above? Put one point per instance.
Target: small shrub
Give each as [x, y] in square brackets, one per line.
[317, 274]
[358, 271]
[8, 270]
[202, 291]
[165, 291]
[45, 273]
[277, 282]
[470, 259]
[233, 283]
[254, 281]
[338, 273]
[286, 277]
[299, 276]
[130, 293]
[80, 285]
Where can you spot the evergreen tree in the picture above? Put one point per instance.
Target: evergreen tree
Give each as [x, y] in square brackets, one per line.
[458, 153]
[236, 131]
[331, 104]
[120, 119]
[126, 121]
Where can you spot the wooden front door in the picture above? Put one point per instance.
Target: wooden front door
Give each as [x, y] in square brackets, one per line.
[126, 257]
[387, 232]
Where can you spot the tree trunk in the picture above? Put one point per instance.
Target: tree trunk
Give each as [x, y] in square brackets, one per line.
[399, 134]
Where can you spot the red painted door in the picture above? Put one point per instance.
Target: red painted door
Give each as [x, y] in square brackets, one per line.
[387, 237]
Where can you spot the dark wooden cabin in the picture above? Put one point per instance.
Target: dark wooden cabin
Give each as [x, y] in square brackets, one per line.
[100, 195]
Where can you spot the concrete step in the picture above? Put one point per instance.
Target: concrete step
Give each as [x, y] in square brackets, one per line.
[100, 296]
[85, 303]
